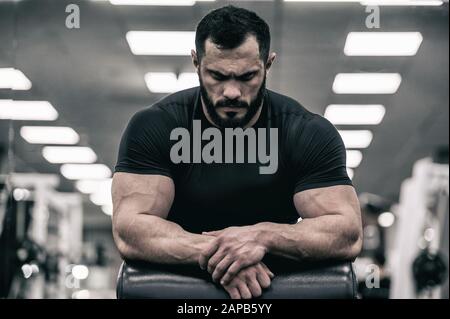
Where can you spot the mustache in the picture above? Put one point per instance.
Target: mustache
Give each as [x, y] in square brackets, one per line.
[232, 103]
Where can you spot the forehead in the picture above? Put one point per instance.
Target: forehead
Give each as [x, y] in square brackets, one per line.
[238, 60]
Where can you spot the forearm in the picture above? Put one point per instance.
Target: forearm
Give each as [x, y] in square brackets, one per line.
[320, 238]
[151, 238]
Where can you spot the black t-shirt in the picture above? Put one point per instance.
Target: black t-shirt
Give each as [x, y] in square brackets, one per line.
[213, 196]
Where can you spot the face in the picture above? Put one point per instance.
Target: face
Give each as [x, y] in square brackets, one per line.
[232, 83]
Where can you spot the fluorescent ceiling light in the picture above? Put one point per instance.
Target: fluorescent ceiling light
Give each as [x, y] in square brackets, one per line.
[85, 171]
[402, 2]
[167, 82]
[380, 2]
[156, 2]
[187, 80]
[49, 135]
[91, 186]
[366, 83]
[356, 138]
[355, 114]
[101, 198]
[350, 173]
[13, 79]
[107, 209]
[69, 154]
[343, 1]
[161, 82]
[161, 42]
[99, 190]
[354, 158]
[27, 110]
[382, 43]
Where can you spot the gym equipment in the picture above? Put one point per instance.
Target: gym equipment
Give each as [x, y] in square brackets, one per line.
[429, 270]
[7, 237]
[139, 280]
[419, 260]
[42, 237]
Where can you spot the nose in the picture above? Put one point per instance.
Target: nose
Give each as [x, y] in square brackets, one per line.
[231, 91]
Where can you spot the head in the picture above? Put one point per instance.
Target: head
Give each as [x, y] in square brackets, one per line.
[232, 60]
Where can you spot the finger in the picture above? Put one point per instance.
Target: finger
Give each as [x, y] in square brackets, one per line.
[233, 271]
[254, 287]
[244, 291]
[214, 260]
[263, 279]
[221, 268]
[207, 253]
[267, 270]
[233, 292]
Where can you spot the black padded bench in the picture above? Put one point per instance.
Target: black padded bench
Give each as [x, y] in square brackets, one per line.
[138, 280]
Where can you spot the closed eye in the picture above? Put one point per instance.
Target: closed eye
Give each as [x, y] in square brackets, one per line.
[221, 77]
[247, 76]
[218, 76]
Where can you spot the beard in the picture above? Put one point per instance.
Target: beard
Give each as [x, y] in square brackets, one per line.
[231, 121]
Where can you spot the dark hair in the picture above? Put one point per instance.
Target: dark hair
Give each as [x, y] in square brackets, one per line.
[228, 27]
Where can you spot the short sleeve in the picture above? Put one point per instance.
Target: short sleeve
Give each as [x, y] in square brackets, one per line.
[319, 158]
[144, 144]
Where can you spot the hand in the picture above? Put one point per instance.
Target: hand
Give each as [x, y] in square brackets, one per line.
[249, 282]
[233, 249]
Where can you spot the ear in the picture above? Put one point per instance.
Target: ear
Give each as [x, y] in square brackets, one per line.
[195, 60]
[270, 61]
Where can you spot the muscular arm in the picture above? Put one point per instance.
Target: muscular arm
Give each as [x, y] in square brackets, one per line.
[141, 205]
[330, 229]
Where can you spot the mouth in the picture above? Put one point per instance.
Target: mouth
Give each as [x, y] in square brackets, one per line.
[233, 109]
[231, 114]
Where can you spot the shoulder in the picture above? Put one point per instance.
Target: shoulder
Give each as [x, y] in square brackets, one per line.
[172, 110]
[294, 117]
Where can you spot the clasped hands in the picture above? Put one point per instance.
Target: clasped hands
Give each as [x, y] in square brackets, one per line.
[234, 258]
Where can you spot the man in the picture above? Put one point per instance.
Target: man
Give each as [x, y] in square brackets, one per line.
[226, 217]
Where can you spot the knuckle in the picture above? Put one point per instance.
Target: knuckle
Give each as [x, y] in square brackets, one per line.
[232, 272]
[211, 263]
[219, 269]
[248, 276]
[232, 253]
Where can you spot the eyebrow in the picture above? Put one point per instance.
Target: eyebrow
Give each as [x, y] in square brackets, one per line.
[236, 76]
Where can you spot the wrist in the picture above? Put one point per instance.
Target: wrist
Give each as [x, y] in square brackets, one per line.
[200, 243]
[265, 235]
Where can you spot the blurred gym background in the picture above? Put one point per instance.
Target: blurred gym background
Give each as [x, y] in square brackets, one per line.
[72, 73]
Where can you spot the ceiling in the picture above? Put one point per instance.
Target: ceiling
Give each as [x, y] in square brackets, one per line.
[96, 83]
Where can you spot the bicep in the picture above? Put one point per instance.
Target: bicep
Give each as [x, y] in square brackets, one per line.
[141, 194]
[333, 200]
